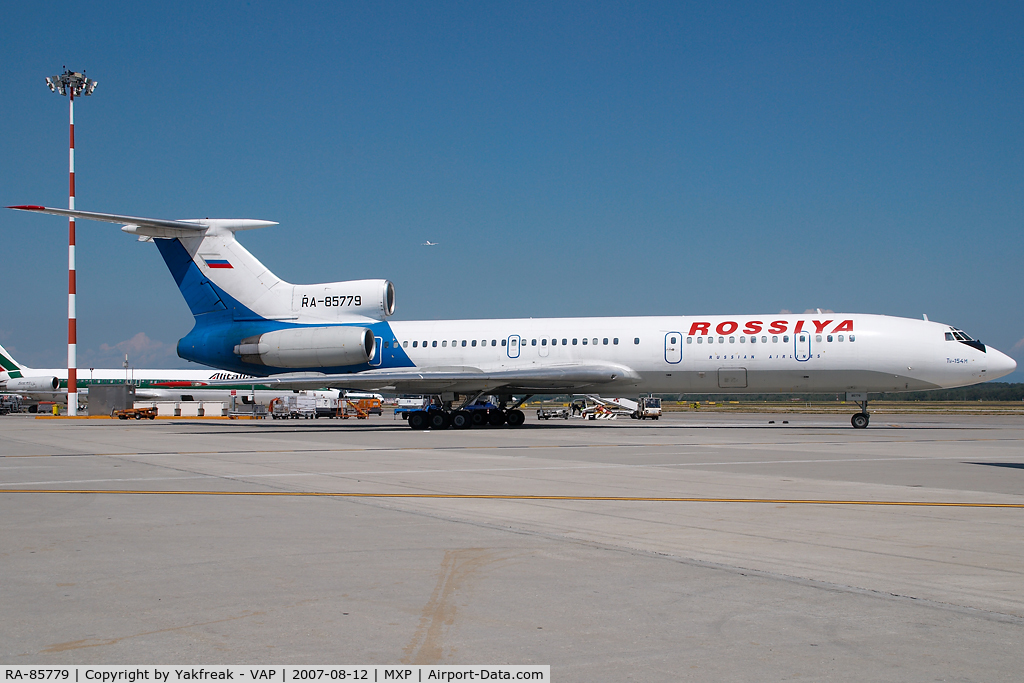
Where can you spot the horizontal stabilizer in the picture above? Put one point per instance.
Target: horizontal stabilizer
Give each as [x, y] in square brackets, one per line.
[154, 227]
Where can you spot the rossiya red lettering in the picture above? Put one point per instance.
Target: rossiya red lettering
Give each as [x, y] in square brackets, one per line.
[774, 327]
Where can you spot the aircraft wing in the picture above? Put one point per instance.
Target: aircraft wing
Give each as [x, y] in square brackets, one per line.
[574, 376]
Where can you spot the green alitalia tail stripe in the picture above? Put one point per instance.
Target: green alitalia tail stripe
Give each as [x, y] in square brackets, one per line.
[8, 365]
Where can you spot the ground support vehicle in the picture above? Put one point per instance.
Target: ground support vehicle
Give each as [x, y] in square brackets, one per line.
[10, 403]
[593, 407]
[362, 407]
[252, 411]
[136, 413]
[548, 413]
[407, 406]
[648, 407]
[294, 407]
[45, 408]
[371, 405]
[344, 408]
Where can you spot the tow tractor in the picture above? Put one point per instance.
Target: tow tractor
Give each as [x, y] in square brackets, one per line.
[137, 413]
[647, 407]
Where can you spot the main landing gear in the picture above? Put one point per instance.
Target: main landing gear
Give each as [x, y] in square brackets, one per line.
[437, 418]
[440, 415]
[860, 420]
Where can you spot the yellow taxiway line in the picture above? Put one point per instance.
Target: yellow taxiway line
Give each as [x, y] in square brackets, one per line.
[500, 496]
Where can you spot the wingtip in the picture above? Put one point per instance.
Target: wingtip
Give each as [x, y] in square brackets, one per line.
[27, 207]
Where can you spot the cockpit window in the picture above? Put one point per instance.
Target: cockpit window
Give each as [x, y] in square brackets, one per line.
[959, 335]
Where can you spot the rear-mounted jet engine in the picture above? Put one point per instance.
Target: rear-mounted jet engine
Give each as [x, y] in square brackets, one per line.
[32, 384]
[309, 347]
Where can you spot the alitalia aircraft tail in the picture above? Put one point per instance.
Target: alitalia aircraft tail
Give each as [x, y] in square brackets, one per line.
[9, 366]
[15, 377]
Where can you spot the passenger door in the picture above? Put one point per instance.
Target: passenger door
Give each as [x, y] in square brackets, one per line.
[512, 345]
[802, 346]
[673, 347]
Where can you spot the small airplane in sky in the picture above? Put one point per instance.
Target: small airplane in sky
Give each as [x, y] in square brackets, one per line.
[428, 243]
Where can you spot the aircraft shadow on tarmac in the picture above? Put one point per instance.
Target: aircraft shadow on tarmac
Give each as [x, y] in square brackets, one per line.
[321, 428]
[1012, 465]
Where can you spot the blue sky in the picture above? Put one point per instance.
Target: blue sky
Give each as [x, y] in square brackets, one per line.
[570, 158]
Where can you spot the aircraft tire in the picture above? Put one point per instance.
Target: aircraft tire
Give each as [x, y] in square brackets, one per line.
[495, 418]
[515, 418]
[859, 421]
[418, 420]
[438, 419]
[478, 417]
[461, 419]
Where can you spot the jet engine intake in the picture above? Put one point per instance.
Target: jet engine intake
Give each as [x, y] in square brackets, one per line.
[309, 347]
[32, 384]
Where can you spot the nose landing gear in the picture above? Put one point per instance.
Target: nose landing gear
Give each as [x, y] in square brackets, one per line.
[859, 420]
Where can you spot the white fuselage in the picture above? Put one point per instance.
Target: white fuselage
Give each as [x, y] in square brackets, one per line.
[712, 354]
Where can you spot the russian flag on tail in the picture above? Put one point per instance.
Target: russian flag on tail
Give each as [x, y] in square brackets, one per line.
[217, 263]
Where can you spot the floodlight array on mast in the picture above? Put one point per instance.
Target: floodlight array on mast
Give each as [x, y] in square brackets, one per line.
[78, 84]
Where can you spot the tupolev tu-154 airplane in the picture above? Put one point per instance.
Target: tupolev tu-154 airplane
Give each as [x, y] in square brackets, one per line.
[249, 321]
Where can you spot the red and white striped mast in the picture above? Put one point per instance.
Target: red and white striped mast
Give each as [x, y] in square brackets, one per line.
[72, 83]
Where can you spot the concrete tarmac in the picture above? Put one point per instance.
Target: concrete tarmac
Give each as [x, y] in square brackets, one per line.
[699, 547]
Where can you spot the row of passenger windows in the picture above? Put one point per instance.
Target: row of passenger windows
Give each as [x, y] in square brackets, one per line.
[514, 342]
[614, 341]
[764, 339]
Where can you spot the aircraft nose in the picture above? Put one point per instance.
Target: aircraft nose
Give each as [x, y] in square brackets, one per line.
[999, 364]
